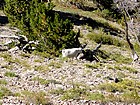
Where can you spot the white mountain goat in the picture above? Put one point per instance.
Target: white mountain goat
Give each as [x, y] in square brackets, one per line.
[72, 52]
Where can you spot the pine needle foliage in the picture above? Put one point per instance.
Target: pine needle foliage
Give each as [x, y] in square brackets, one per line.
[37, 20]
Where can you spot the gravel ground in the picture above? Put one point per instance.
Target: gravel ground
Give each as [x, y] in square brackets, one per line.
[61, 74]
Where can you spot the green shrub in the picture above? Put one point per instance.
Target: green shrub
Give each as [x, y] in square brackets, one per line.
[10, 74]
[131, 97]
[137, 47]
[38, 21]
[7, 57]
[108, 7]
[77, 93]
[4, 92]
[57, 91]
[36, 98]
[74, 93]
[3, 81]
[44, 81]
[93, 66]
[121, 21]
[122, 86]
[96, 96]
[117, 57]
[105, 13]
[55, 64]
[106, 39]
[41, 68]
[104, 3]
[121, 75]
[112, 98]
[120, 58]
[130, 69]
[41, 80]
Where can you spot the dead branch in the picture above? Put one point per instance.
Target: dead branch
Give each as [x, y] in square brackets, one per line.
[97, 48]
[23, 43]
[127, 7]
[135, 56]
[13, 49]
[7, 36]
[91, 55]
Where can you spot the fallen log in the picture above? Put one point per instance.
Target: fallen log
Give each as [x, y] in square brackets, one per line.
[91, 55]
[22, 44]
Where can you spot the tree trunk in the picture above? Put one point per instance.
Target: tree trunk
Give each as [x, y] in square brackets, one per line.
[135, 56]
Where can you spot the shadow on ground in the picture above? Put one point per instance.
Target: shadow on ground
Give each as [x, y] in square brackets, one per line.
[3, 20]
[81, 20]
[77, 20]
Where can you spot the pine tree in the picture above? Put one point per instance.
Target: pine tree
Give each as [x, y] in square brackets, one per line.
[38, 21]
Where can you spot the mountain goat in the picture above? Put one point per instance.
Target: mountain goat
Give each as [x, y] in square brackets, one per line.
[72, 52]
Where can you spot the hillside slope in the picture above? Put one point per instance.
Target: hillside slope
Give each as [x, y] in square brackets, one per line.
[35, 79]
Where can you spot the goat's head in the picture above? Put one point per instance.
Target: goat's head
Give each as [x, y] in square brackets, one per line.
[84, 45]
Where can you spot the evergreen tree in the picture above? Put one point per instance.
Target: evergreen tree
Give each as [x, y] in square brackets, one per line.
[38, 21]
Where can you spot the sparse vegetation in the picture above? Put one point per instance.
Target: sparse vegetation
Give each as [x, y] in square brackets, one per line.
[55, 64]
[99, 75]
[57, 91]
[44, 81]
[121, 75]
[10, 74]
[36, 98]
[41, 80]
[119, 58]
[112, 98]
[122, 86]
[41, 68]
[123, 68]
[96, 96]
[4, 92]
[130, 69]
[25, 55]
[131, 97]
[3, 81]
[106, 39]
[128, 88]
[87, 71]
[10, 67]
[24, 63]
[77, 93]
[93, 66]
[7, 57]
[43, 54]
[74, 93]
